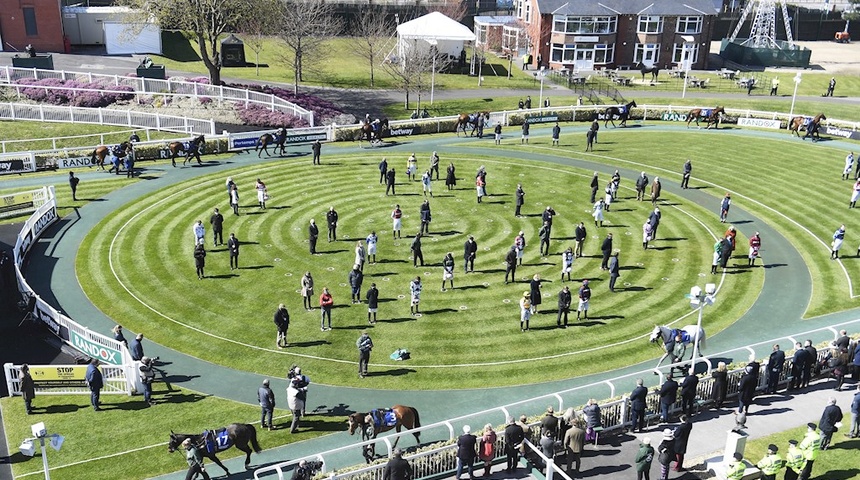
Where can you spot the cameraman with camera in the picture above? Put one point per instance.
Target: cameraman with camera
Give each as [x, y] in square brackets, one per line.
[147, 376]
[297, 395]
[306, 470]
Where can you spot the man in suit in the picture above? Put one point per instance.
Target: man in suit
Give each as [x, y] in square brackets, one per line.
[95, 382]
[638, 406]
[217, 222]
[549, 423]
[810, 363]
[614, 271]
[233, 248]
[688, 394]
[547, 215]
[774, 368]
[511, 264]
[416, 250]
[829, 418]
[544, 233]
[470, 251]
[316, 148]
[668, 393]
[682, 436]
[641, 184]
[397, 468]
[574, 440]
[424, 213]
[579, 235]
[514, 436]
[654, 220]
[383, 170]
[606, 249]
[313, 235]
[594, 186]
[521, 195]
[798, 365]
[466, 452]
[389, 182]
[564, 299]
[331, 221]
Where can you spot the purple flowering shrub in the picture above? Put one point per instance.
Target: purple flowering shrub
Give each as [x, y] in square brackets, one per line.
[261, 116]
[46, 91]
[323, 109]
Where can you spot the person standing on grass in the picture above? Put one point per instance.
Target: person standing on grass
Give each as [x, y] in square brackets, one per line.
[534, 290]
[73, 184]
[520, 200]
[411, 167]
[566, 263]
[372, 303]
[326, 302]
[434, 165]
[855, 194]
[836, 244]
[199, 232]
[830, 87]
[511, 264]
[736, 469]
[770, 464]
[654, 220]
[313, 235]
[584, 297]
[262, 193]
[829, 418]
[233, 248]
[229, 183]
[526, 126]
[646, 234]
[360, 255]
[564, 299]
[266, 397]
[416, 250]
[147, 376]
[614, 271]
[427, 183]
[390, 178]
[28, 388]
[451, 177]
[234, 198]
[448, 270]
[479, 187]
[217, 222]
[641, 184]
[397, 221]
[200, 260]
[371, 242]
[470, 251]
[543, 234]
[415, 295]
[595, 184]
[426, 218]
[355, 280]
[606, 249]
[520, 245]
[597, 212]
[282, 322]
[95, 382]
[849, 166]
[774, 86]
[656, 188]
[810, 446]
[331, 222]
[365, 347]
[579, 236]
[854, 431]
[525, 311]
[316, 148]
[383, 170]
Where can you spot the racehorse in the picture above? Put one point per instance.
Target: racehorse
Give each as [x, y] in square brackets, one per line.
[374, 130]
[278, 138]
[382, 420]
[654, 70]
[811, 126]
[235, 434]
[711, 114]
[470, 119]
[99, 154]
[622, 112]
[190, 149]
[668, 334]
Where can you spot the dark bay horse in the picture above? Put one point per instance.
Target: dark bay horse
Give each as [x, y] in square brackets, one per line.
[279, 138]
[382, 420]
[654, 70]
[812, 126]
[191, 149]
[470, 119]
[711, 114]
[99, 154]
[374, 131]
[667, 336]
[622, 112]
[235, 434]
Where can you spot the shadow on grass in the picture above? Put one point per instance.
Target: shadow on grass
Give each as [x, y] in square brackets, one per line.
[328, 252]
[470, 287]
[394, 372]
[843, 474]
[392, 261]
[312, 343]
[397, 320]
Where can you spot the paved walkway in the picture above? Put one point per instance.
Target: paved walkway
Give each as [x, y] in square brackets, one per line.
[786, 292]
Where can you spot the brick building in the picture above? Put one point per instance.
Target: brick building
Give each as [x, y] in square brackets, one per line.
[590, 35]
[36, 22]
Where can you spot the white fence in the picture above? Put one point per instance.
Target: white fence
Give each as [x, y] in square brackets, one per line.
[150, 86]
[58, 143]
[114, 376]
[105, 116]
[98, 346]
[615, 412]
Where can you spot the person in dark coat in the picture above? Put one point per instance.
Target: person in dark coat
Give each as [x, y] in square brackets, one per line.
[397, 468]
[521, 196]
[200, 260]
[829, 418]
[614, 271]
[372, 303]
[668, 393]
[313, 235]
[266, 397]
[470, 251]
[579, 236]
[544, 234]
[390, 179]
[638, 406]
[775, 364]
[355, 279]
[810, 363]
[511, 264]
[688, 170]
[595, 184]
[666, 453]
[688, 393]
[331, 218]
[606, 249]
[798, 365]
[564, 299]
[416, 251]
[383, 170]
[316, 147]
[725, 252]
[95, 382]
[549, 423]
[466, 452]
[682, 436]
[135, 348]
[514, 436]
[534, 290]
[282, 322]
[233, 248]
[721, 384]
[217, 222]
[28, 388]
[746, 391]
[73, 184]
[424, 213]
[451, 177]
[654, 220]
[589, 140]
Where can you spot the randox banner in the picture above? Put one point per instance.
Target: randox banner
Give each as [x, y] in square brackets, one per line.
[95, 350]
[243, 141]
[59, 377]
[759, 123]
[16, 203]
[542, 118]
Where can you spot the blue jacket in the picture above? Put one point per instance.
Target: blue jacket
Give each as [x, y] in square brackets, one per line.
[856, 356]
[136, 349]
[94, 377]
[855, 405]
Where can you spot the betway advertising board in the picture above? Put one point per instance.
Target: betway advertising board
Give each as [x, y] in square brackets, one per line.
[17, 163]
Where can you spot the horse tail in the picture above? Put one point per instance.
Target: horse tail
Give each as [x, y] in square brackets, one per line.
[417, 418]
[254, 444]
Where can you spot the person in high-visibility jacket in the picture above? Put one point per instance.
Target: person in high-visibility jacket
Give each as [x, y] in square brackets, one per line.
[736, 468]
[794, 461]
[771, 464]
[810, 445]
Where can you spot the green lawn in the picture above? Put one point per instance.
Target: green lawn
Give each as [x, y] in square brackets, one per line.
[87, 191]
[235, 307]
[42, 134]
[839, 462]
[127, 440]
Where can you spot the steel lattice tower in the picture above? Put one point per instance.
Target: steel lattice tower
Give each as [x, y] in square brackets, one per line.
[763, 29]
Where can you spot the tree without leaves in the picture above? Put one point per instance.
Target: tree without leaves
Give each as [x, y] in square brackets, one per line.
[455, 9]
[205, 20]
[307, 24]
[412, 72]
[372, 32]
[258, 27]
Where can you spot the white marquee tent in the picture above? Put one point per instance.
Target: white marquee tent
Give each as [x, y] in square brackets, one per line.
[433, 29]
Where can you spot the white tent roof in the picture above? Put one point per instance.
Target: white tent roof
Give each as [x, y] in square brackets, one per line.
[437, 26]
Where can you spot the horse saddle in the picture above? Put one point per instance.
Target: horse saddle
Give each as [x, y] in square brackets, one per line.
[706, 112]
[622, 109]
[186, 145]
[216, 440]
[384, 417]
[473, 118]
[685, 336]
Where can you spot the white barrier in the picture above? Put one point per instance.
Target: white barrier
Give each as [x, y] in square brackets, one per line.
[68, 379]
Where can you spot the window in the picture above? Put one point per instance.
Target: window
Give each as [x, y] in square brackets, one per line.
[511, 39]
[601, 54]
[481, 33]
[30, 21]
[650, 24]
[604, 53]
[527, 10]
[692, 52]
[647, 53]
[691, 25]
[520, 13]
[563, 53]
[583, 25]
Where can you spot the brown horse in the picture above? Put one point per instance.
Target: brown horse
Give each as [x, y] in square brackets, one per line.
[470, 119]
[191, 149]
[239, 435]
[279, 138]
[622, 112]
[382, 420]
[373, 131]
[711, 114]
[99, 154]
[798, 123]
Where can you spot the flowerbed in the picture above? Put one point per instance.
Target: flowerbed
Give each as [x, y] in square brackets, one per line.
[71, 92]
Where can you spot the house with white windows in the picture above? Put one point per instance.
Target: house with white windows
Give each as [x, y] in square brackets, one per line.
[599, 34]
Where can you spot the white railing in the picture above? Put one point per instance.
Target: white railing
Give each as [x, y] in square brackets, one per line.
[615, 412]
[115, 381]
[151, 86]
[57, 143]
[104, 116]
